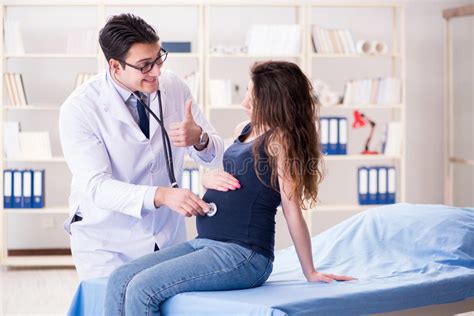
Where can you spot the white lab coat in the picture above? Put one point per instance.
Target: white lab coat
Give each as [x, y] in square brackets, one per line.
[113, 165]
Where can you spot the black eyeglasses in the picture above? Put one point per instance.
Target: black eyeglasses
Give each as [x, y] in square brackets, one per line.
[149, 66]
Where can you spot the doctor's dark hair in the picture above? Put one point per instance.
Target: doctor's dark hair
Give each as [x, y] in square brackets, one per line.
[121, 32]
[286, 114]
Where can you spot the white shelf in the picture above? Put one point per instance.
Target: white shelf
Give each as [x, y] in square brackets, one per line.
[363, 106]
[39, 261]
[172, 55]
[31, 108]
[346, 56]
[360, 157]
[255, 56]
[73, 56]
[44, 210]
[343, 208]
[54, 159]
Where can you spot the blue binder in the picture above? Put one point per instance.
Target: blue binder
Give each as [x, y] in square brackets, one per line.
[177, 47]
[373, 185]
[363, 185]
[391, 185]
[342, 136]
[7, 188]
[382, 185]
[324, 130]
[27, 190]
[38, 189]
[333, 136]
[17, 189]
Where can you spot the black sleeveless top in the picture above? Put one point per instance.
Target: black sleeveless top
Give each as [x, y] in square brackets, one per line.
[245, 216]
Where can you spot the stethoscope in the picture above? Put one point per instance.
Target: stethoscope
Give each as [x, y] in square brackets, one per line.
[166, 142]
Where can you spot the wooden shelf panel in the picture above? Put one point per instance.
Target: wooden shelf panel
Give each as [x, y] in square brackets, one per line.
[347, 56]
[39, 261]
[44, 210]
[65, 56]
[360, 157]
[31, 108]
[53, 159]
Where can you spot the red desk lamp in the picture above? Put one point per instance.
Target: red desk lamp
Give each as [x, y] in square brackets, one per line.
[360, 120]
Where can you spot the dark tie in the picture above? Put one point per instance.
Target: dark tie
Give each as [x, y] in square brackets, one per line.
[143, 118]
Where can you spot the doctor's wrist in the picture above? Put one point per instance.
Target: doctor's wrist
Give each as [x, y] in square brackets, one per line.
[160, 196]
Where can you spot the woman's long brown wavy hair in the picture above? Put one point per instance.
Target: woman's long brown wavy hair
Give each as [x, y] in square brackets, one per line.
[286, 114]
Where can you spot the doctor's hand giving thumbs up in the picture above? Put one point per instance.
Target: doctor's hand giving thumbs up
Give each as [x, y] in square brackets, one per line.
[187, 132]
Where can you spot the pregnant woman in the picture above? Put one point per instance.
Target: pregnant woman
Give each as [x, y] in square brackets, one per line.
[274, 160]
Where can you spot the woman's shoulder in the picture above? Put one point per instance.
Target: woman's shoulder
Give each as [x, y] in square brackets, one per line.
[240, 127]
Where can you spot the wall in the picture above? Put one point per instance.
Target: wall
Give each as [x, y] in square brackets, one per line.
[425, 100]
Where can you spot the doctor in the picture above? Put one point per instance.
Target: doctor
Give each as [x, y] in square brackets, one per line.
[122, 205]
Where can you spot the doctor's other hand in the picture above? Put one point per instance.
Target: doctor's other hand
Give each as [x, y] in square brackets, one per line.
[187, 132]
[220, 180]
[316, 276]
[180, 200]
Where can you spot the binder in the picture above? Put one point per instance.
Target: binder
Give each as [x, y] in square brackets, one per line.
[177, 47]
[363, 185]
[17, 189]
[27, 179]
[382, 185]
[7, 188]
[342, 137]
[373, 186]
[324, 135]
[333, 139]
[38, 189]
[186, 179]
[391, 185]
[195, 187]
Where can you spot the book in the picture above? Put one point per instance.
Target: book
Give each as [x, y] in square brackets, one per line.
[35, 145]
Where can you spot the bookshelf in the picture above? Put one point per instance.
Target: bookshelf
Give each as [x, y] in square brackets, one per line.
[205, 15]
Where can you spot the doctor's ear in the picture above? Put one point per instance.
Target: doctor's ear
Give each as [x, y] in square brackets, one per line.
[114, 65]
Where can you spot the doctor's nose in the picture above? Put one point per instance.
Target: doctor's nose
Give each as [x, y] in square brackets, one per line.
[156, 71]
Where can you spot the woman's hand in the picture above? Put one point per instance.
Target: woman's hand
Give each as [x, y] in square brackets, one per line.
[316, 276]
[220, 180]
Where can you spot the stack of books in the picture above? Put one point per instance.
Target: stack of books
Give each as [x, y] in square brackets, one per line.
[333, 41]
[380, 91]
[15, 89]
[279, 40]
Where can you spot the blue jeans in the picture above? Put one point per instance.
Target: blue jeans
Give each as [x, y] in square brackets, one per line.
[139, 286]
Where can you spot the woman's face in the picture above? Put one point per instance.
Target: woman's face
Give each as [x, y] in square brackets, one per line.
[247, 103]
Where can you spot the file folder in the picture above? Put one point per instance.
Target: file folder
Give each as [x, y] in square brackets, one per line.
[177, 47]
[186, 179]
[333, 139]
[38, 189]
[363, 185]
[391, 185]
[373, 186]
[382, 185]
[342, 137]
[27, 178]
[195, 186]
[324, 135]
[7, 189]
[17, 189]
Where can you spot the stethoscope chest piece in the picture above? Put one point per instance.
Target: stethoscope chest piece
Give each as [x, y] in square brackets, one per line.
[212, 209]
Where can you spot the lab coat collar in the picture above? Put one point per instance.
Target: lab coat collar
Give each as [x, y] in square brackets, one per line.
[113, 102]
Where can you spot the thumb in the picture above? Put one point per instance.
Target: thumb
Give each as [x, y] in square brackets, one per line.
[188, 114]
